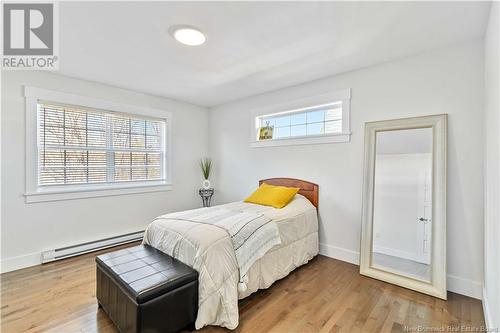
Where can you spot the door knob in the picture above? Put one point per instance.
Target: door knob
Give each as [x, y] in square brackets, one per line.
[423, 220]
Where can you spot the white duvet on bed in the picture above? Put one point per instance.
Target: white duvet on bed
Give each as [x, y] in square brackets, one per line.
[209, 249]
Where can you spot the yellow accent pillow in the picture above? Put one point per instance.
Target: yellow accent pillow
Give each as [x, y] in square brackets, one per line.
[274, 196]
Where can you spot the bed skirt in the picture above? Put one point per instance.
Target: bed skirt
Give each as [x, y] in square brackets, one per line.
[278, 263]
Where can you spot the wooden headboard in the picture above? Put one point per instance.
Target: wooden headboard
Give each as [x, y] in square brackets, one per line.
[307, 189]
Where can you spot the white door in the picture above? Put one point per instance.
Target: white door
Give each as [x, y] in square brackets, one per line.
[424, 218]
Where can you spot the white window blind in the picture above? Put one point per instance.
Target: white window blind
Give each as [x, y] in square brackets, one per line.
[78, 145]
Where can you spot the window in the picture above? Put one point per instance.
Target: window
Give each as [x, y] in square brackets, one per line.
[319, 120]
[82, 147]
[322, 122]
[86, 146]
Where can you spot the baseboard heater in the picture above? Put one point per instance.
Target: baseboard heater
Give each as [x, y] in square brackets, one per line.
[75, 250]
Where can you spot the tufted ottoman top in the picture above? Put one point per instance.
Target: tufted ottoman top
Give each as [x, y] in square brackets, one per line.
[145, 272]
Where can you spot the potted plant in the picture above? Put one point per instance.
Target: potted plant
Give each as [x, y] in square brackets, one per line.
[206, 168]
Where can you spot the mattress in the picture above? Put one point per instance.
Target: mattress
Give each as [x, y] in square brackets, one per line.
[209, 250]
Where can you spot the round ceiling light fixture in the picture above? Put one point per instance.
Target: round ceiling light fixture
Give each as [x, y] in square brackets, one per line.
[188, 35]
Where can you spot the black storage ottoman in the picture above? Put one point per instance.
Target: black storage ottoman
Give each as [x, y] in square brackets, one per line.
[145, 290]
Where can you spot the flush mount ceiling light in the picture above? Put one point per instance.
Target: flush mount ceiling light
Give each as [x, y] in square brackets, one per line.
[188, 35]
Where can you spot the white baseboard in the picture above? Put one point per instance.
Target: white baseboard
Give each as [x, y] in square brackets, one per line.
[339, 253]
[455, 284]
[15, 263]
[465, 286]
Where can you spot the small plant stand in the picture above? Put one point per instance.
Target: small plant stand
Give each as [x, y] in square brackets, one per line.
[206, 196]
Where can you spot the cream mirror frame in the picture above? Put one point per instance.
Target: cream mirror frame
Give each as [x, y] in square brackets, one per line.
[436, 126]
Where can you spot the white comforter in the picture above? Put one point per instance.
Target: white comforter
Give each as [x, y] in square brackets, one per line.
[200, 242]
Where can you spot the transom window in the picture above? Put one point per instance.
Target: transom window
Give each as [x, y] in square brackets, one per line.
[316, 119]
[312, 121]
[79, 145]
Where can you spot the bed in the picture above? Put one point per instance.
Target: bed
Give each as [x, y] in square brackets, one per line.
[209, 248]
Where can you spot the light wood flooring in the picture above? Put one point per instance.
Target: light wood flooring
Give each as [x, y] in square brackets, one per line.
[325, 295]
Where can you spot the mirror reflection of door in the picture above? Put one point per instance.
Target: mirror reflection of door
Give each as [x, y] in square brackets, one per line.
[402, 211]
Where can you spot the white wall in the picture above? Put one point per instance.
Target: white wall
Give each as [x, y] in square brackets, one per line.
[491, 297]
[28, 229]
[448, 80]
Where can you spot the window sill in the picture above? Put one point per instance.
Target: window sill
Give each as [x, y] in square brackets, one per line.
[82, 191]
[313, 140]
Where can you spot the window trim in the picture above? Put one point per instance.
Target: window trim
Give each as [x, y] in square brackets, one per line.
[34, 193]
[343, 96]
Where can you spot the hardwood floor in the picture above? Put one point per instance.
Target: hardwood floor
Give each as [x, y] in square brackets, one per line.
[326, 295]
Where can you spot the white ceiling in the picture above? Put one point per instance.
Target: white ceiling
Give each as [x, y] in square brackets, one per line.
[253, 47]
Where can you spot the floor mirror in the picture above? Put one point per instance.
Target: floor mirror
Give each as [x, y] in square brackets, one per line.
[403, 237]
